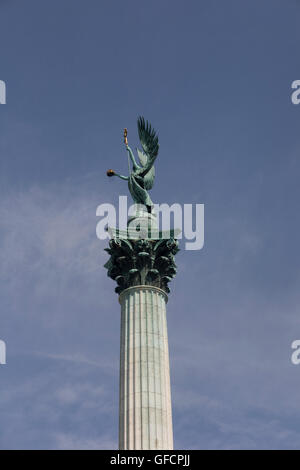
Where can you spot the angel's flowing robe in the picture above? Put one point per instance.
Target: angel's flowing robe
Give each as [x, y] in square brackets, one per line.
[137, 190]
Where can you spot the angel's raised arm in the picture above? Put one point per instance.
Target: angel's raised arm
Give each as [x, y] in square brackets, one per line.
[135, 165]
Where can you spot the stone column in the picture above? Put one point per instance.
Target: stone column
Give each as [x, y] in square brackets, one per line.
[142, 269]
[145, 395]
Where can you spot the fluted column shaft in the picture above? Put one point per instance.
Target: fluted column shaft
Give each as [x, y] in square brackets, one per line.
[145, 394]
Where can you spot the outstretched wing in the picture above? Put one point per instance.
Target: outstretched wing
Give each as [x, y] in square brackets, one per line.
[149, 176]
[149, 142]
[148, 138]
[142, 157]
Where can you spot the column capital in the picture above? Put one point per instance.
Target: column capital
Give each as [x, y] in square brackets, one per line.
[141, 262]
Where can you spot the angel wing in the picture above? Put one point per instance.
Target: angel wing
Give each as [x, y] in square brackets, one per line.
[149, 142]
[150, 175]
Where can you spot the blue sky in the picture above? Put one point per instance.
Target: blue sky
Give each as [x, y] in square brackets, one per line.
[214, 78]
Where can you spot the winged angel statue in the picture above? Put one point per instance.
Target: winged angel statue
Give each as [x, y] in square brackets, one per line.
[141, 177]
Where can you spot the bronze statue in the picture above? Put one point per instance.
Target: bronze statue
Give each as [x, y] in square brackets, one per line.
[141, 177]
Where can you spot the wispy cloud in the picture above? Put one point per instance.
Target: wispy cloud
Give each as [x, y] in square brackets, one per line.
[226, 387]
